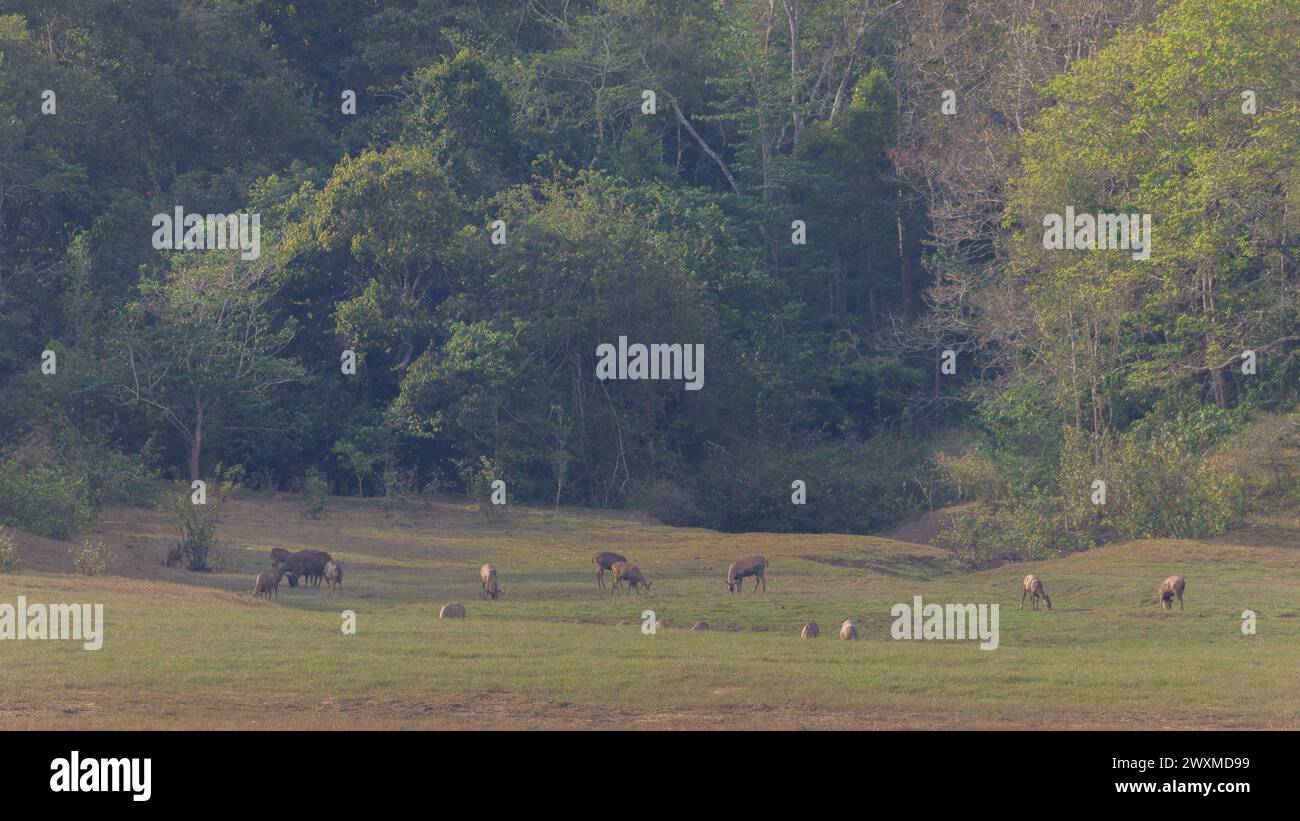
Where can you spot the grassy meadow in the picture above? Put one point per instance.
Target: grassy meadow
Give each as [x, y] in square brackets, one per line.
[191, 650]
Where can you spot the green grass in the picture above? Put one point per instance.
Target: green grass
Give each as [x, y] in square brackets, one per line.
[195, 650]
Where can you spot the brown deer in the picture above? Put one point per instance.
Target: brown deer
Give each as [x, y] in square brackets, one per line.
[488, 575]
[334, 576]
[1169, 589]
[1033, 587]
[604, 561]
[268, 581]
[749, 566]
[630, 573]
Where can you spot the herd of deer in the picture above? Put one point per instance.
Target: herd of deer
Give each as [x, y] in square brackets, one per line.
[315, 566]
[1169, 589]
[312, 566]
[623, 571]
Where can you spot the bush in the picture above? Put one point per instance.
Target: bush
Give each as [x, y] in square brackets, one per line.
[196, 525]
[316, 491]
[971, 533]
[1160, 485]
[481, 476]
[1265, 456]
[120, 479]
[399, 486]
[668, 502]
[1032, 527]
[9, 558]
[972, 475]
[853, 486]
[92, 559]
[42, 498]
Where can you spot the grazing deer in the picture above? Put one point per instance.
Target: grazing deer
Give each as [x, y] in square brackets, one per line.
[268, 581]
[488, 575]
[1169, 589]
[334, 576]
[749, 566]
[605, 561]
[1033, 587]
[630, 573]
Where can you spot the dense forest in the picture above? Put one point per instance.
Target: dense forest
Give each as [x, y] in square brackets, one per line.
[842, 201]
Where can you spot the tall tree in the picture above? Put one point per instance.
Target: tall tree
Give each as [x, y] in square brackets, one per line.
[198, 350]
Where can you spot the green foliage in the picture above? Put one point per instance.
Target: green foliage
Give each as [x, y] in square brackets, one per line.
[670, 503]
[972, 475]
[671, 226]
[10, 560]
[1027, 529]
[121, 479]
[1163, 485]
[92, 558]
[973, 533]
[480, 475]
[196, 524]
[852, 486]
[315, 492]
[461, 110]
[366, 453]
[43, 497]
[1154, 124]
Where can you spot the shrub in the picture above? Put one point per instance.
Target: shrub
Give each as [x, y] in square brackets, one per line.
[972, 475]
[9, 558]
[316, 491]
[1037, 528]
[91, 559]
[479, 482]
[970, 532]
[196, 524]
[668, 502]
[1265, 456]
[853, 486]
[1030, 527]
[399, 486]
[43, 498]
[120, 479]
[1161, 486]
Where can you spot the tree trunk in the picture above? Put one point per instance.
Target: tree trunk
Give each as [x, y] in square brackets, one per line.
[905, 277]
[1219, 385]
[196, 442]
